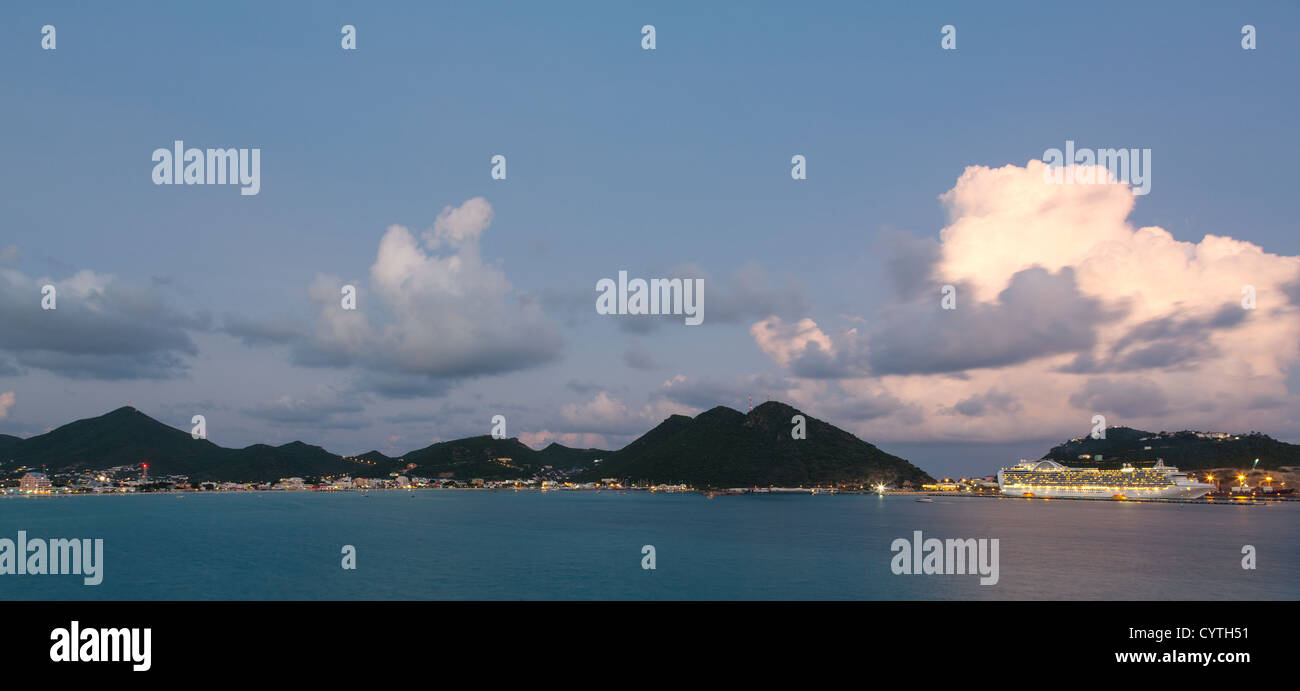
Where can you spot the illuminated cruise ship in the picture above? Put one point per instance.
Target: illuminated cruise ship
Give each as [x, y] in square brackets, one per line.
[1051, 479]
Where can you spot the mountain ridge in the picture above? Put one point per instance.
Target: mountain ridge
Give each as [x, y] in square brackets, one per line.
[722, 447]
[126, 436]
[1187, 449]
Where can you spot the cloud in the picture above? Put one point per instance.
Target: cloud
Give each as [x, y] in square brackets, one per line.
[787, 343]
[1037, 314]
[262, 332]
[575, 440]
[604, 414]
[1127, 397]
[402, 386]
[1291, 290]
[1165, 342]
[6, 402]
[433, 312]
[748, 293]
[702, 393]
[910, 261]
[861, 404]
[322, 409]
[101, 328]
[979, 405]
[583, 387]
[460, 227]
[638, 357]
[431, 417]
[1063, 309]
[610, 416]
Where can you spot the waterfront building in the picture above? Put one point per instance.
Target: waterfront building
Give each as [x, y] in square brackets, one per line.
[34, 482]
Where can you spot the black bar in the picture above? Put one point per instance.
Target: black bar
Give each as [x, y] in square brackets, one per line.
[988, 640]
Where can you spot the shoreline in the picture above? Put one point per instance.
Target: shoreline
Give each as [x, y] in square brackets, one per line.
[709, 494]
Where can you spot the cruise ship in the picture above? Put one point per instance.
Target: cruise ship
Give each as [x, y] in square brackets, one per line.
[1048, 478]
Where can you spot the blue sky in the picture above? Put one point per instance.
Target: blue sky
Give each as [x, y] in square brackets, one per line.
[618, 158]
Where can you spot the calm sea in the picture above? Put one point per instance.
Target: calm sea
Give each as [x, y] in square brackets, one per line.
[588, 545]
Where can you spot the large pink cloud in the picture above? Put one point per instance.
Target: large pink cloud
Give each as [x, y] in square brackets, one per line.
[1064, 310]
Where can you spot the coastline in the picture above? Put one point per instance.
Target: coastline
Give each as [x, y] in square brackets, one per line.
[707, 493]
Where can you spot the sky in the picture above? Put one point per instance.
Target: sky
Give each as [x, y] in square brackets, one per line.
[476, 296]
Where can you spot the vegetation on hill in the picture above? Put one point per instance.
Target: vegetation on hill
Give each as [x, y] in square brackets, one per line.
[1186, 450]
[723, 447]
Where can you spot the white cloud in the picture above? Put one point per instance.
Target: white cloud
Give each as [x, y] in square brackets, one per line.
[1146, 328]
[461, 226]
[784, 342]
[435, 309]
[6, 402]
[574, 440]
[609, 415]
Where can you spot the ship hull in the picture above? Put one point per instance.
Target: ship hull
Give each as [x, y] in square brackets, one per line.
[1047, 491]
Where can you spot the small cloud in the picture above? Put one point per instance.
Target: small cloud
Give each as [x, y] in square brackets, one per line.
[638, 357]
[574, 440]
[324, 409]
[983, 404]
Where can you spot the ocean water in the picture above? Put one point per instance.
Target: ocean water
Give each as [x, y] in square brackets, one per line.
[588, 545]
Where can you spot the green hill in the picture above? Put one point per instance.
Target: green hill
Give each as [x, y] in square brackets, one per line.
[561, 457]
[128, 437]
[1187, 450]
[718, 448]
[374, 456]
[726, 448]
[122, 437]
[473, 457]
[8, 440]
[495, 459]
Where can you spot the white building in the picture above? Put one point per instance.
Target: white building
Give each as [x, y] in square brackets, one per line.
[34, 482]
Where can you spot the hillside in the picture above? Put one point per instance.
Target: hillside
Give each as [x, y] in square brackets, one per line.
[1187, 450]
[722, 447]
[472, 457]
[8, 440]
[122, 437]
[495, 459]
[128, 437]
[562, 457]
